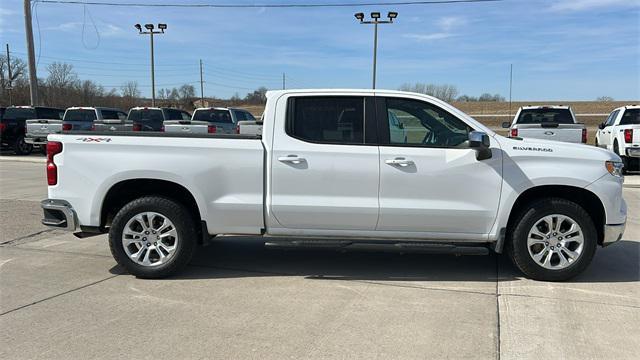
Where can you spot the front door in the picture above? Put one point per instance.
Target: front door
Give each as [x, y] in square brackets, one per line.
[324, 174]
[430, 181]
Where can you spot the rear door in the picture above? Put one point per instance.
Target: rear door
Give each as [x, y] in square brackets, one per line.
[325, 171]
[605, 140]
[430, 181]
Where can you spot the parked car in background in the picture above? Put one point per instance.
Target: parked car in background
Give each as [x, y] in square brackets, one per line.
[152, 118]
[112, 120]
[327, 172]
[211, 120]
[83, 118]
[13, 126]
[620, 133]
[549, 122]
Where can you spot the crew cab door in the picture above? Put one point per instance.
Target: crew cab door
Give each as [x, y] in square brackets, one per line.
[606, 133]
[430, 180]
[324, 170]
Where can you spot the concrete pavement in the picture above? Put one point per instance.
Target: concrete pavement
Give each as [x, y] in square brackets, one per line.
[62, 297]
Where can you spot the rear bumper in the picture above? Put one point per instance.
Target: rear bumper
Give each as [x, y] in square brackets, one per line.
[58, 214]
[35, 140]
[633, 152]
[612, 233]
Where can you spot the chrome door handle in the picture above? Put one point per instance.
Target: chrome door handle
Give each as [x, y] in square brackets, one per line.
[399, 161]
[293, 159]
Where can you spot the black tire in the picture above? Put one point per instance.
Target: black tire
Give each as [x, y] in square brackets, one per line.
[625, 160]
[172, 210]
[517, 244]
[21, 147]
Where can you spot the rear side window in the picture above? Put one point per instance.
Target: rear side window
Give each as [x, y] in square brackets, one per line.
[173, 114]
[213, 115]
[50, 113]
[122, 115]
[185, 115]
[80, 115]
[539, 116]
[630, 117]
[146, 114]
[332, 120]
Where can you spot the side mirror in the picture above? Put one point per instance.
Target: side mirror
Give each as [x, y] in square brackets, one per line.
[601, 126]
[479, 141]
[506, 125]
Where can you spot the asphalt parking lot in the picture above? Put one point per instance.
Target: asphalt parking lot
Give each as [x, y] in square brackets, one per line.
[62, 297]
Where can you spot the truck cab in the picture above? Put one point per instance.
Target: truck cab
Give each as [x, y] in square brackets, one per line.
[620, 133]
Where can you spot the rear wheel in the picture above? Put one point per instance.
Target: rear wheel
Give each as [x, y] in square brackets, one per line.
[554, 239]
[152, 237]
[21, 147]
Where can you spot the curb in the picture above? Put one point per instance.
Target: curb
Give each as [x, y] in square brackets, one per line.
[23, 159]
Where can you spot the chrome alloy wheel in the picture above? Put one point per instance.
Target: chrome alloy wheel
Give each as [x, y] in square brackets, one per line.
[555, 242]
[149, 239]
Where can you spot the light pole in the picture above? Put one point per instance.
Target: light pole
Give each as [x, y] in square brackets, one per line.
[375, 20]
[151, 32]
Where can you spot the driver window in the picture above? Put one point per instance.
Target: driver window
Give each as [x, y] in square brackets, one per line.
[414, 122]
[611, 118]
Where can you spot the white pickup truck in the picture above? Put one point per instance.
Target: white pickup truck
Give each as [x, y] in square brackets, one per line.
[550, 122]
[620, 133]
[326, 172]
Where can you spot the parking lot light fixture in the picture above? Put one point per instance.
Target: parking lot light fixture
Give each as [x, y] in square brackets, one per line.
[151, 32]
[375, 20]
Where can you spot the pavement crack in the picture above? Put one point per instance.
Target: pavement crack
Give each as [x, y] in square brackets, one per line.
[58, 295]
[11, 242]
[56, 251]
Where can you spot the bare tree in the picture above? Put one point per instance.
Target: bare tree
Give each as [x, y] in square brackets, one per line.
[258, 96]
[443, 92]
[130, 90]
[605, 99]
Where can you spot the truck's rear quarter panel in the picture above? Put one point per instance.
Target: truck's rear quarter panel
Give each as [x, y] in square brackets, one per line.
[224, 175]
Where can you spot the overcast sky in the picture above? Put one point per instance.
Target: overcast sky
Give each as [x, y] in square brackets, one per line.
[560, 50]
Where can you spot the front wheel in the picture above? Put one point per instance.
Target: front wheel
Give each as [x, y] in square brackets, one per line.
[152, 237]
[553, 240]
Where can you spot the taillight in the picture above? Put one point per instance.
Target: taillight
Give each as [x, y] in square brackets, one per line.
[162, 128]
[136, 127]
[53, 148]
[584, 136]
[238, 129]
[67, 127]
[2, 127]
[211, 129]
[514, 132]
[628, 135]
[93, 127]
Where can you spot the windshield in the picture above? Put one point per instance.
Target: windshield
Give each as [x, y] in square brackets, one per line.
[539, 116]
[630, 117]
[19, 114]
[212, 115]
[146, 114]
[80, 115]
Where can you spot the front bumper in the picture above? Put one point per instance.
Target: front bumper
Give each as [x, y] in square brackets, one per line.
[612, 233]
[59, 214]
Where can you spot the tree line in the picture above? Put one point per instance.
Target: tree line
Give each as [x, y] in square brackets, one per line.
[448, 93]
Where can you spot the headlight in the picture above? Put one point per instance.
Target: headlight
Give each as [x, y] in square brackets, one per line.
[614, 168]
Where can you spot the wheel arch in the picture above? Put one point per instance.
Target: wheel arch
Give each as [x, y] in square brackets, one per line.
[588, 200]
[125, 191]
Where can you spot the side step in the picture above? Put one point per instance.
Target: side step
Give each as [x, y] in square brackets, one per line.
[398, 247]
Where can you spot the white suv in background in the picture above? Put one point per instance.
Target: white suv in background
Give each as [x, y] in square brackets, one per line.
[620, 133]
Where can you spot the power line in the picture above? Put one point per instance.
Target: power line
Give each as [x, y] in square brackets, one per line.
[245, 6]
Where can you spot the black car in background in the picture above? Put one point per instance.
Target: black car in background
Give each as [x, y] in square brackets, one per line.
[13, 125]
[152, 118]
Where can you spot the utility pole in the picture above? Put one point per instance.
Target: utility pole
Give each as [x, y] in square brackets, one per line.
[10, 85]
[151, 32]
[201, 86]
[510, 86]
[284, 83]
[33, 77]
[376, 20]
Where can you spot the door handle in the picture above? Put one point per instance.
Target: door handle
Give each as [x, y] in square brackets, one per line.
[399, 161]
[293, 159]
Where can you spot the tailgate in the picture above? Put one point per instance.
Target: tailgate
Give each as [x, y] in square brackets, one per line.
[557, 132]
[43, 127]
[186, 126]
[112, 125]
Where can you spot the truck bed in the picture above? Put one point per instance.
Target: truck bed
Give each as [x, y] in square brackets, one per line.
[224, 173]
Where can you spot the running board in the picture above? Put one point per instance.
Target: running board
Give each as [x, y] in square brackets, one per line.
[401, 247]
